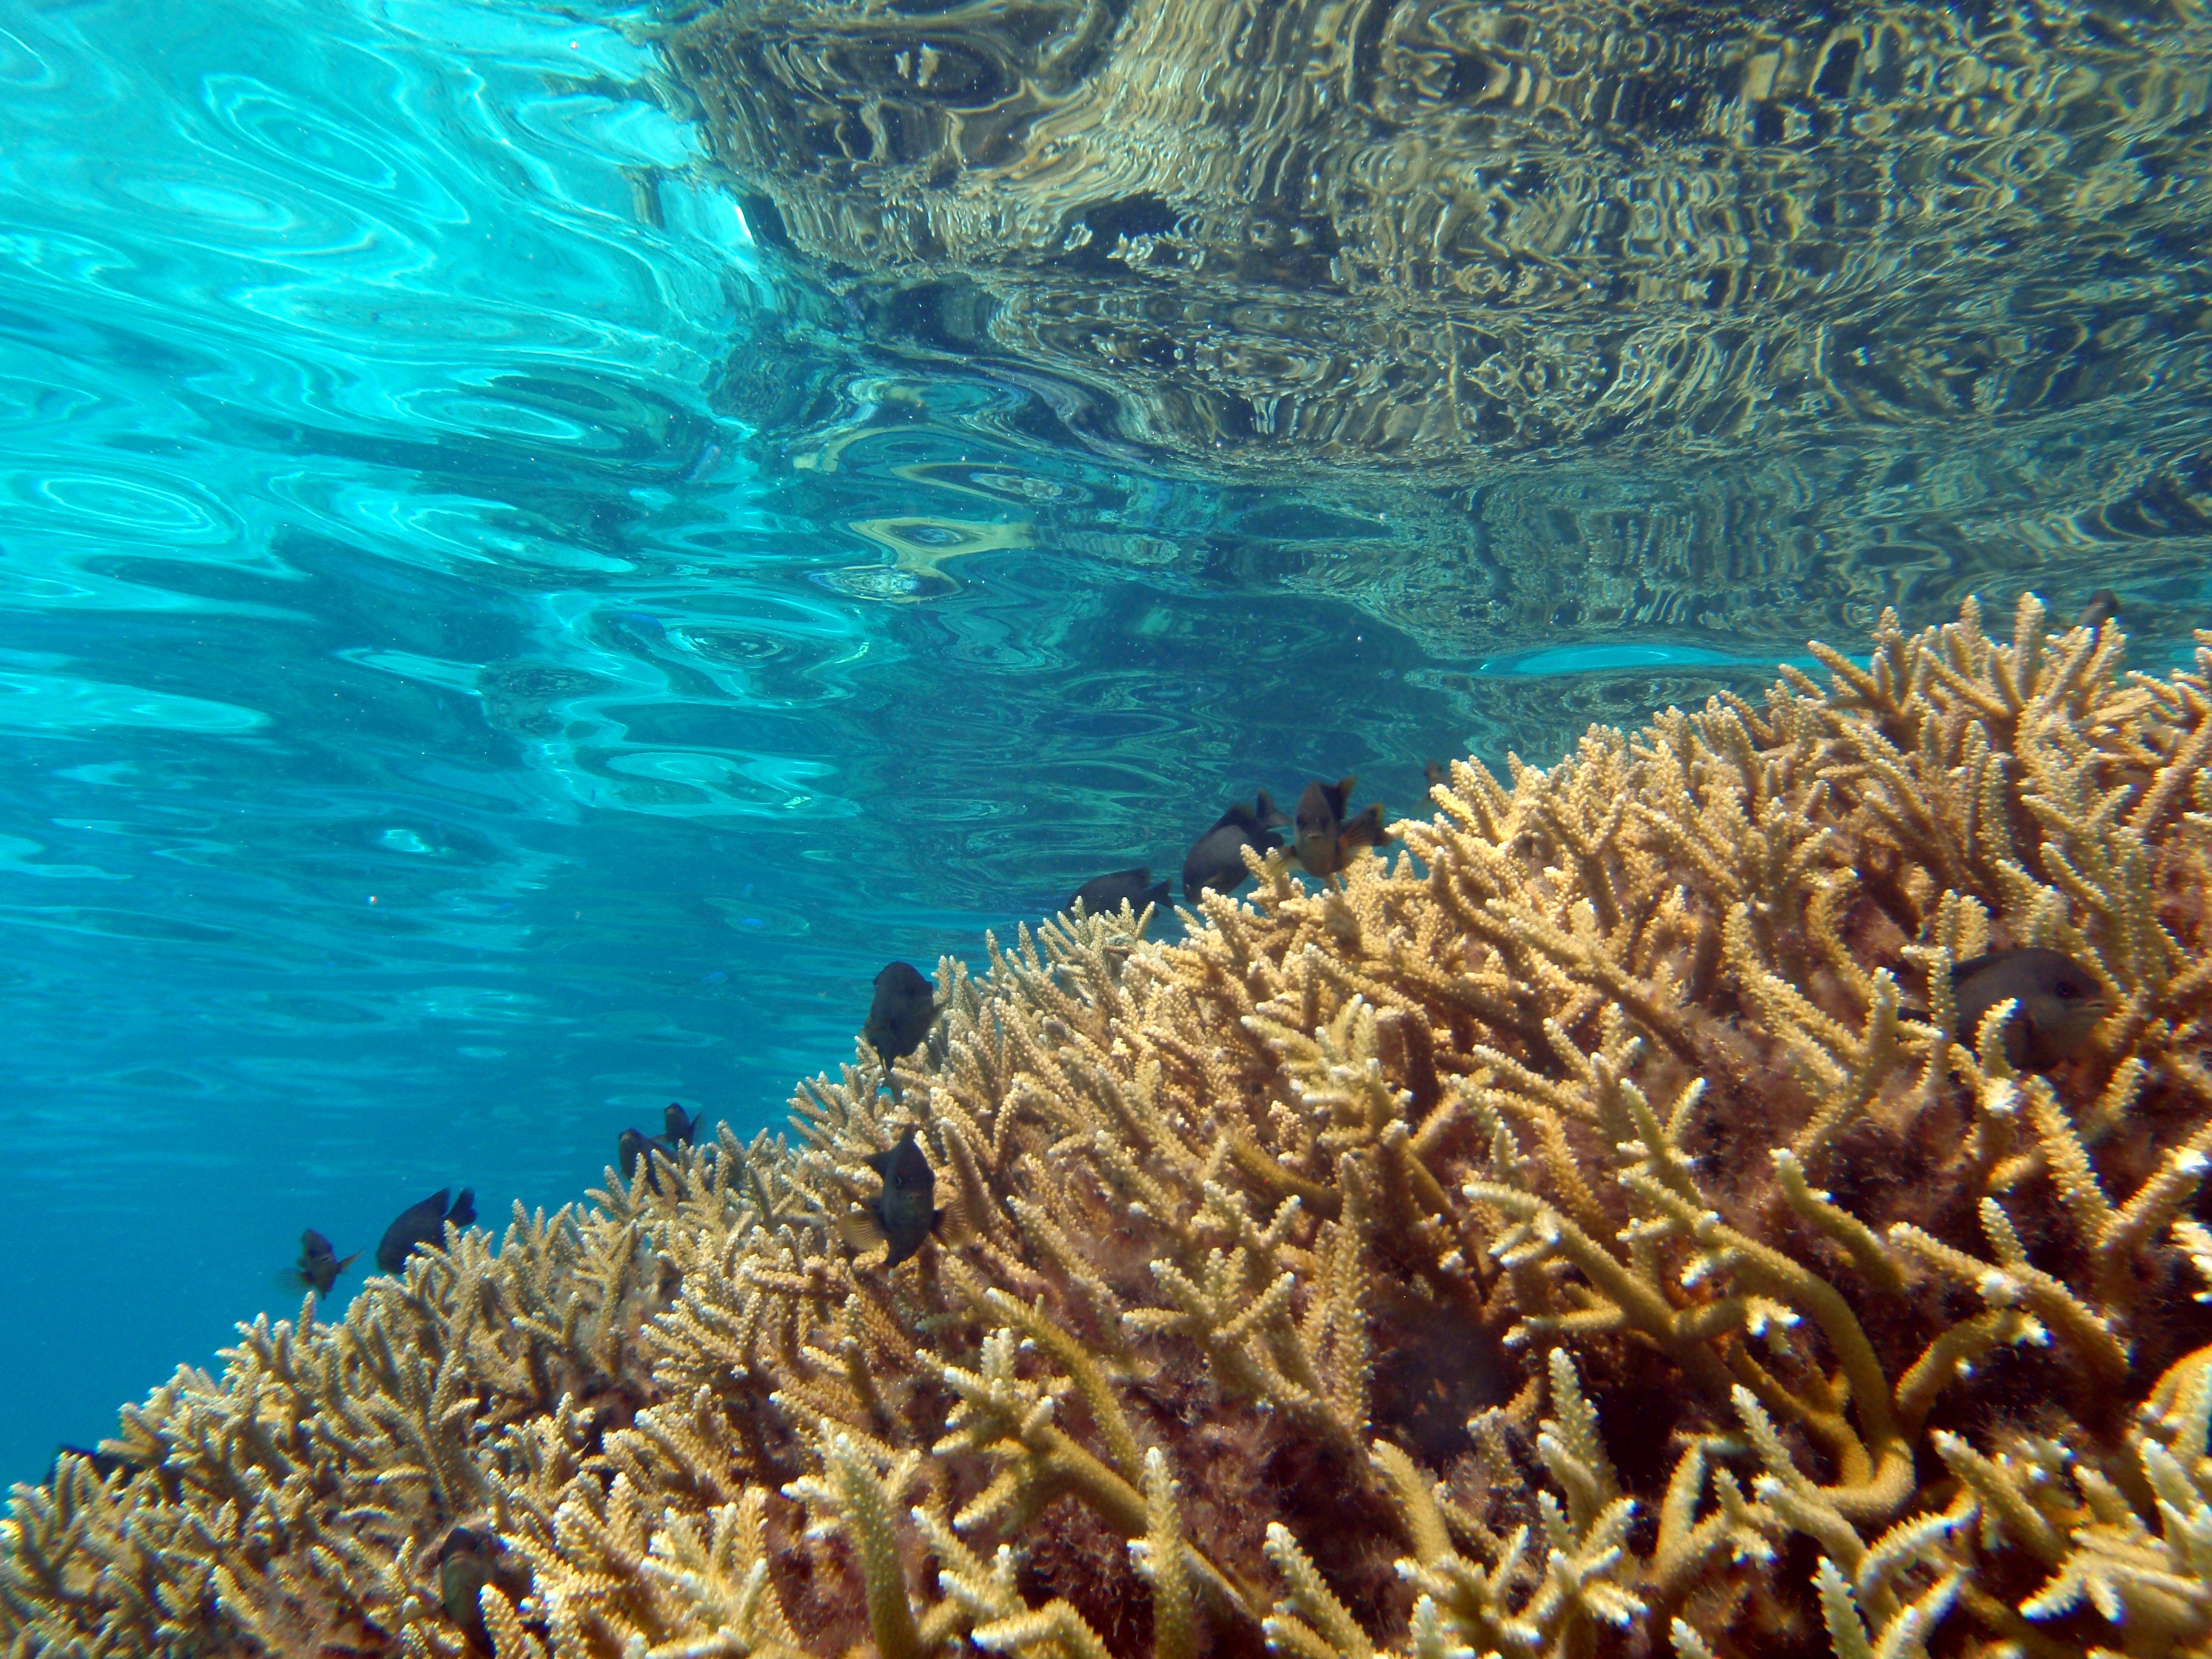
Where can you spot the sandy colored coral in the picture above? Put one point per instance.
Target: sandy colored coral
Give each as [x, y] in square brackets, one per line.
[1587, 1232]
[295, 1505]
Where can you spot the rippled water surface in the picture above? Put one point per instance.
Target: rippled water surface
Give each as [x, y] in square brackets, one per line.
[539, 548]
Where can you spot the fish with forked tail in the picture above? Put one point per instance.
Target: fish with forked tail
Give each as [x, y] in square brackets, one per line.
[1324, 840]
[632, 1148]
[319, 1266]
[901, 1014]
[1102, 896]
[1218, 860]
[2060, 1003]
[422, 1225]
[905, 1212]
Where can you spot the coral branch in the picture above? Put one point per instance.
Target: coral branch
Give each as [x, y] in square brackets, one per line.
[1425, 1262]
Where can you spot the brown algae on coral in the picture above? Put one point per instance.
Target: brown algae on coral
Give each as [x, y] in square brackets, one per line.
[1590, 1231]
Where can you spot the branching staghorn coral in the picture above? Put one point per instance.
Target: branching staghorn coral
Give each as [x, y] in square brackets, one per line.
[1591, 1231]
[295, 1504]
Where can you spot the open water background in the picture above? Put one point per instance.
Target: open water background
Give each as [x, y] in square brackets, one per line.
[441, 720]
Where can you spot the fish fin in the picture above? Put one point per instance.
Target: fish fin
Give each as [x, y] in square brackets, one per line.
[1159, 893]
[1340, 794]
[952, 1225]
[860, 1230]
[347, 1262]
[1271, 816]
[1366, 830]
[289, 1282]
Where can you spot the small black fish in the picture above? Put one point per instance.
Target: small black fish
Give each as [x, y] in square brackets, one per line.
[634, 1150]
[678, 1128]
[467, 1561]
[904, 1212]
[319, 1266]
[1438, 773]
[1104, 894]
[1218, 860]
[1325, 840]
[900, 1016]
[106, 1465]
[2060, 1003]
[2101, 606]
[423, 1224]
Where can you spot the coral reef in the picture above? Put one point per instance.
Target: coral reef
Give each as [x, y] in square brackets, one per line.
[296, 1505]
[1588, 1230]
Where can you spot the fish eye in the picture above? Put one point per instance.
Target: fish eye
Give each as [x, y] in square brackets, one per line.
[2067, 990]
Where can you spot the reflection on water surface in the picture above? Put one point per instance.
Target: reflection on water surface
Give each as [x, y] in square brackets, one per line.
[1695, 317]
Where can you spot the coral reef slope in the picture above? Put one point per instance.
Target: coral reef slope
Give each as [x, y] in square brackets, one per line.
[1593, 1229]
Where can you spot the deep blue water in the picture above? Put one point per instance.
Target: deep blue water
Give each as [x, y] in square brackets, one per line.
[440, 722]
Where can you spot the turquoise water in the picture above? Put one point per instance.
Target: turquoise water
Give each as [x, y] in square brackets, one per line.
[488, 649]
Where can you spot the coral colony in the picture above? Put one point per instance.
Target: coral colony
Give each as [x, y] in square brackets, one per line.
[1589, 1230]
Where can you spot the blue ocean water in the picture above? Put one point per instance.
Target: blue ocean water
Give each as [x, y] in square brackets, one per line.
[448, 709]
